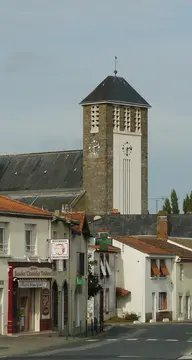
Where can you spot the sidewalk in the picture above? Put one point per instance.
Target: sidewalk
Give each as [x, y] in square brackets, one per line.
[21, 344]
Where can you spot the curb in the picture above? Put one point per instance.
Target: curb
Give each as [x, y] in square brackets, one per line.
[152, 323]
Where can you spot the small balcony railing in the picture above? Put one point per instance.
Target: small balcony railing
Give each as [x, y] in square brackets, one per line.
[30, 249]
[3, 248]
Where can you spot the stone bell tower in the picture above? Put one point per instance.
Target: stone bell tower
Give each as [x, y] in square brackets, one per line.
[115, 149]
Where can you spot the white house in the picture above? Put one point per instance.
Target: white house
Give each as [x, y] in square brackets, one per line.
[29, 276]
[26, 272]
[154, 274]
[104, 259]
[144, 277]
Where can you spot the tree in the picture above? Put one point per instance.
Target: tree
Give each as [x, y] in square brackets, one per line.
[167, 206]
[93, 280]
[190, 203]
[174, 202]
[186, 204]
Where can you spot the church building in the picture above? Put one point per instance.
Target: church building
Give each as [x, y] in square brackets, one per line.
[111, 172]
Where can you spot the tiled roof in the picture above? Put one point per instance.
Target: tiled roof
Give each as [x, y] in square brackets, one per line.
[140, 245]
[183, 242]
[8, 205]
[115, 89]
[41, 171]
[109, 248]
[78, 216]
[166, 246]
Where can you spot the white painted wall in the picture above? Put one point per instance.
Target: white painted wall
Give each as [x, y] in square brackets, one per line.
[158, 285]
[15, 239]
[15, 234]
[127, 174]
[130, 275]
[183, 287]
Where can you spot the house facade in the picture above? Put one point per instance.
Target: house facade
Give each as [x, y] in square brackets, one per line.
[143, 279]
[103, 260]
[182, 279]
[37, 292]
[70, 284]
[26, 272]
[160, 276]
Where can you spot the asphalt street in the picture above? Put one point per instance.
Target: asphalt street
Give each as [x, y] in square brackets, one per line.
[146, 342]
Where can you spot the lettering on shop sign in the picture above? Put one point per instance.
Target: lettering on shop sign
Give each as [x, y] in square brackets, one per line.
[32, 272]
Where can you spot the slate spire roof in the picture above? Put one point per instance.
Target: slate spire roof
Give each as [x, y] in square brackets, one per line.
[115, 89]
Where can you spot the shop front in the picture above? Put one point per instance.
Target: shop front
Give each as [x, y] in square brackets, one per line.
[29, 297]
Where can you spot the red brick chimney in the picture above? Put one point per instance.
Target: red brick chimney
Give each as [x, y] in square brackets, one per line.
[162, 225]
[115, 211]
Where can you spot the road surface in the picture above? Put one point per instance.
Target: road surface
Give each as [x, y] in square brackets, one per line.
[145, 342]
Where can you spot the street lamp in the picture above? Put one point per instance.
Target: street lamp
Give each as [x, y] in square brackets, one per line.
[157, 201]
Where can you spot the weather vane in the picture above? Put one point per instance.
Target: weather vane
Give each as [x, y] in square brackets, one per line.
[115, 71]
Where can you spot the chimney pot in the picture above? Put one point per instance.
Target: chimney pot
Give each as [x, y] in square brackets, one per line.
[115, 211]
[162, 225]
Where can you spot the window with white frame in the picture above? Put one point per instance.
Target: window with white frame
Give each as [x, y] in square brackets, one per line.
[30, 240]
[162, 301]
[137, 120]
[95, 118]
[180, 304]
[116, 117]
[181, 270]
[107, 267]
[154, 268]
[107, 300]
[127, 119]
[3, 242]
[102, 266]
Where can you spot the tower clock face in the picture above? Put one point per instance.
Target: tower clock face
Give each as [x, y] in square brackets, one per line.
[94, 147]
[127, 148]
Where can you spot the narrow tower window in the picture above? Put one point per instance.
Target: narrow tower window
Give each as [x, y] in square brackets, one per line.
[95, 118]
[116, 118]
[127, 119]
[137, 120]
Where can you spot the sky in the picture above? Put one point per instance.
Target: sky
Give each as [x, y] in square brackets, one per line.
[55, 52]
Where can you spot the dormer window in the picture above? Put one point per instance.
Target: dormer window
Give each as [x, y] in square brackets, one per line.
[137, 120]
[94, 118]
[116, 118]
[127, 119]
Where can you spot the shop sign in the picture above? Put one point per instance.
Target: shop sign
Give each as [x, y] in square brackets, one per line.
[59, 249]
[33, 284]
[32, 272]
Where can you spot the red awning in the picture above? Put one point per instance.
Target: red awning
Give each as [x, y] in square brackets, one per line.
[122, 292]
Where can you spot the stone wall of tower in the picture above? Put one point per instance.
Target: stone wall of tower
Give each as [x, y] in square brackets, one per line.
[98, 169]
[144, 161]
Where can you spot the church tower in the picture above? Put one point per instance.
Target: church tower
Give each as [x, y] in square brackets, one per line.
[115, 149]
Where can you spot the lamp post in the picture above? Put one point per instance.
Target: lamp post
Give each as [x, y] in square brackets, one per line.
[157, 201]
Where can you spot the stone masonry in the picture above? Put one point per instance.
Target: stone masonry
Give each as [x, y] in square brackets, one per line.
[98, 169]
